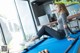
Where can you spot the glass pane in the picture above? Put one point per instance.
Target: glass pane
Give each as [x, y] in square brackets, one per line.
[26, 18]
[11, 26]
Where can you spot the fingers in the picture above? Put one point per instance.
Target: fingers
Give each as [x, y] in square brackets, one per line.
[70, 39]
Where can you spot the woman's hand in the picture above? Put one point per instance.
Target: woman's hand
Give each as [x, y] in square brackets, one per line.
[69, 38]
[65, 26]
[52, 24]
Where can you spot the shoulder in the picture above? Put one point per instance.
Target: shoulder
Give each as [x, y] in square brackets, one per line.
[64, 15]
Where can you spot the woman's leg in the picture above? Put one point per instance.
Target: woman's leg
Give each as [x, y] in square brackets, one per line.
[45, 30]
[40, 33]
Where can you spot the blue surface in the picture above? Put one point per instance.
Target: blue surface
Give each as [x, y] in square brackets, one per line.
[56, 46]
[75, 47]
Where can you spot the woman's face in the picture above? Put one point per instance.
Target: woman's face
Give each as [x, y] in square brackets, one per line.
[57, 8]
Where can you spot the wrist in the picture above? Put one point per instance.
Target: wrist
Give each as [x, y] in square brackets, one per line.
[67, 36]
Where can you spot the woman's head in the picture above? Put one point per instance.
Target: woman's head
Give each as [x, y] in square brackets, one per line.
[60, 8]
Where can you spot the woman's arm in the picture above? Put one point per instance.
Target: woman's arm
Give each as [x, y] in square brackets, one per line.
[52, 23]
[64, 20]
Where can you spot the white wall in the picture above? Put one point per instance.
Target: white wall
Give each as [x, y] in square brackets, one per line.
[11, 25]
[26, 17]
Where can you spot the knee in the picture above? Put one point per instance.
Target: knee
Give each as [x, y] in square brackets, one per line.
[44, 26]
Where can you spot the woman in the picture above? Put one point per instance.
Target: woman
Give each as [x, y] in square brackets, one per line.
[62, 31]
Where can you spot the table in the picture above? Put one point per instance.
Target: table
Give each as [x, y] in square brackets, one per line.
[56, 46]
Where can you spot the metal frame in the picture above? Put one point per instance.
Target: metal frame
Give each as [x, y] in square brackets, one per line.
[20, 21]
[3, 37]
